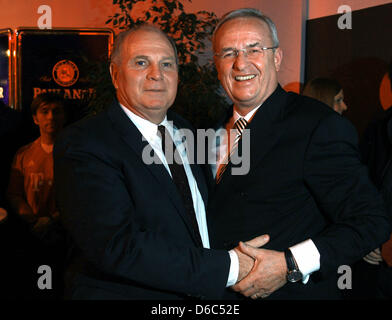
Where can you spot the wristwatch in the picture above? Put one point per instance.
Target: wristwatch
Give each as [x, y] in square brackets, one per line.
[293, 273]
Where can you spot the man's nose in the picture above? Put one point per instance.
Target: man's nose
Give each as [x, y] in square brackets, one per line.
[154, 72]
[241, 60]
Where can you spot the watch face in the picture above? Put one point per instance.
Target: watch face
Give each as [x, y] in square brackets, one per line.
[294, 276]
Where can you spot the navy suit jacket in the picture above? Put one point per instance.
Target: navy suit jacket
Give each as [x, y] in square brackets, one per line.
[305, 181]
[131, 235]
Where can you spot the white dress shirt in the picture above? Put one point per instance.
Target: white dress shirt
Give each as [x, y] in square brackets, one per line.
[149, 131]
[223, 145]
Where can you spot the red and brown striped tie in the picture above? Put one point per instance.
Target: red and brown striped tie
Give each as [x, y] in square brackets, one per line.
[239, 125]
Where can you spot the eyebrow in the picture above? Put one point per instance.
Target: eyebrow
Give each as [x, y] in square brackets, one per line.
[140, 57]
[147, 58]
[169, 58]
[252, 45]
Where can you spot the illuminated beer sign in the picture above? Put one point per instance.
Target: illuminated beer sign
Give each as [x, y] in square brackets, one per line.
[65, 73]
[58, 61]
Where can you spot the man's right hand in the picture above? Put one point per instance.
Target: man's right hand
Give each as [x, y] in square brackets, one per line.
[246, 262]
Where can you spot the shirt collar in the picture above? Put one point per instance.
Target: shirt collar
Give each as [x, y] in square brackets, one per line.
[247, 117]
[147, 128]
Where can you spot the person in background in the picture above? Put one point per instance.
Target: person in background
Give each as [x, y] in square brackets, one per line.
[328, 91]
[30, 190]
[30, 193]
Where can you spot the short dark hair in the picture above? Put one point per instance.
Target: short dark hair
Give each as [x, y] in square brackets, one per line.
[119, 40]
[322, 89]
[44, 99]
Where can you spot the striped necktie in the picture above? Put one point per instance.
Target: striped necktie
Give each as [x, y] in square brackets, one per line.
[239, 125]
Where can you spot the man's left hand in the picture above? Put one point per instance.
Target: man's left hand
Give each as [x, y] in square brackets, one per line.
[267, 275]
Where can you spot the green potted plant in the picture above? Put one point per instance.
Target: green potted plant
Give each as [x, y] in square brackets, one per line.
[199, 97]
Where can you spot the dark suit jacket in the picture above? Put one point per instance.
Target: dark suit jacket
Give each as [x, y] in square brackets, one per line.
[376, 147]
[131, 235]
[305, 181]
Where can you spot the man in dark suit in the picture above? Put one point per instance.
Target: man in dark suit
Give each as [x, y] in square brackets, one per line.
[138, 231]
[306, 187]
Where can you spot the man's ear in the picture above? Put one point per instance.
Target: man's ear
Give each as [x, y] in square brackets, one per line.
[278, 57]
[113, 68]
[35, 119]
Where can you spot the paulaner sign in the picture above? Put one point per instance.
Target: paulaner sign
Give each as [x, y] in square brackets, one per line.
[75, 94]
[59, 61]
[65, 73]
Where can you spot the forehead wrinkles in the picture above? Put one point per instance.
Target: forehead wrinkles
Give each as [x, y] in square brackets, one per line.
[244, 32]
[147, 41]
[239, 35]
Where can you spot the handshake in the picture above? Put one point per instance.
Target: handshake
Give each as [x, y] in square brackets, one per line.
[261, 271]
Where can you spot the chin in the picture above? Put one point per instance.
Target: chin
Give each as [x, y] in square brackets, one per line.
[158, 105]
[245, 100]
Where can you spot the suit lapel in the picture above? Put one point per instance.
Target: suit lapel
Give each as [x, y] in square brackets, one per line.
[196, 169]
[133, 138]
[265, 129]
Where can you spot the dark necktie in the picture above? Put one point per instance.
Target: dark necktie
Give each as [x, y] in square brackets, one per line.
[179, 176]
[239, 125]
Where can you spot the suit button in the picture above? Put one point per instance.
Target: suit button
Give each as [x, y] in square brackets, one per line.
[243, 194]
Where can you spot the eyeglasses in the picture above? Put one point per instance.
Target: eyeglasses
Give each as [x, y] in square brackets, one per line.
[250, 52]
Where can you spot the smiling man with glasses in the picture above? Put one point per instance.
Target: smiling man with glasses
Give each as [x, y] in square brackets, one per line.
[306, 187]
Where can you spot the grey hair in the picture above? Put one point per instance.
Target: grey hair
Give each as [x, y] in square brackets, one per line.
[248, 13]
[115, 56]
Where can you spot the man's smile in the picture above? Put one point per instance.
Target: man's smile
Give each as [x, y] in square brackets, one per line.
[155, 90]
[245, 78]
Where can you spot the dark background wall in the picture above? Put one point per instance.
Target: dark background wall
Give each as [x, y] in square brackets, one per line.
[358, 58]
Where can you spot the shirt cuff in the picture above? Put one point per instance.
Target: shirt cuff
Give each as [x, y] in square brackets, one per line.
[307, 257]
[234, 269]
